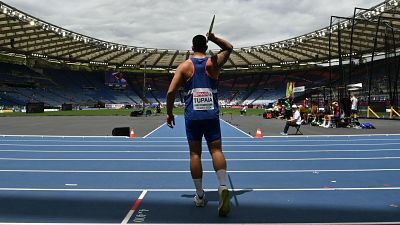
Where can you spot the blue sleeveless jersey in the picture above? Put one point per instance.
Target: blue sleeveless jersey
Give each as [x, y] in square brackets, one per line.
[201, 99]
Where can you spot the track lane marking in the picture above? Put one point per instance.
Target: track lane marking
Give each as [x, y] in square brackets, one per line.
[185, 151]
[183, 141]
[241, 131]
[185, 160]
[206, 171]
[134, 207]
[225, 145]
[289, 136]
[208, 190]
[154, 130]
[342, 223]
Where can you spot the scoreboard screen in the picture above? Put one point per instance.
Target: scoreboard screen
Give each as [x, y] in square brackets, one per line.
[115, 80]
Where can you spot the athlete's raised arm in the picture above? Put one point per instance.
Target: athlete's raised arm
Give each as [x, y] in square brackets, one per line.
[220, 59]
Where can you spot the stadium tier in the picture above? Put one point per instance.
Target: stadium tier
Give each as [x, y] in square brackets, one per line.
[21, 84]
[47, 63]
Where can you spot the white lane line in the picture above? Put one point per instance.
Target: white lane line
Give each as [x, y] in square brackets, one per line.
[185, 160]
[154, 130]
[60, 136]
[207, 171]
[69, 141]
[137, 145]
[191, 190]
[72, 185]
[237, 129]
[134, 207]
[343, 223]
[185, 151]
[133, 141]
[289, 136]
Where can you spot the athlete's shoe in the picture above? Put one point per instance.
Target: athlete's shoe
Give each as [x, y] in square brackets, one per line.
[200, 202]
[224, 201]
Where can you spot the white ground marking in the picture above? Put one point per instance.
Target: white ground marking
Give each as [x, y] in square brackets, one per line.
[192, 190]
[185, 160]
[148, 140]
[237, 129]
[185, 151]
[133, 209]
[154, 130]
[137, 145]
[206, 171]
[344, 223]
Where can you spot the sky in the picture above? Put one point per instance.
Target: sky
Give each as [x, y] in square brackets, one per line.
[171, 24]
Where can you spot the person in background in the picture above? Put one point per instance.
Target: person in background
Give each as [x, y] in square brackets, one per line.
[293, 121]
[313, 114]
[244, 110]
[328, 115]
[354, 106]
[306, 103]
[288, 102]
[336, 113]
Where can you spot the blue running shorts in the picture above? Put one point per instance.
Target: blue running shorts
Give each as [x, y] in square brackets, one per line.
[210, 128]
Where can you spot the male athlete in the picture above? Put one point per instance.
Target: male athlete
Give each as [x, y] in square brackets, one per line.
[199, 75]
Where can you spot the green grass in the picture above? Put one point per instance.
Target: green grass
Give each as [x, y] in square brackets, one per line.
[123, 112]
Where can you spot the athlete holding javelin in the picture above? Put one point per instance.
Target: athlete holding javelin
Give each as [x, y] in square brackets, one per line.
[199, 75]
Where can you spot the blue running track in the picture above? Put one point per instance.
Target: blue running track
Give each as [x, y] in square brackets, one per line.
[302, 179]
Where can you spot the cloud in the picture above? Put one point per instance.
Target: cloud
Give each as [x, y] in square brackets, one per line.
[171, 23]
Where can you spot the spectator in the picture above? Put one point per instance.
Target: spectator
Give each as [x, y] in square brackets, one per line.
[158, 108]
[293, 121]
[327, 115]
[303, 112]
[288, 102]
[314, 114]
[306, 103]
[244, 110]
[336, 113]
[354, 106]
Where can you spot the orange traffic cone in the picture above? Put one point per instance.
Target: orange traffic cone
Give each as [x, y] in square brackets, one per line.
[132, 134]
[259, 133]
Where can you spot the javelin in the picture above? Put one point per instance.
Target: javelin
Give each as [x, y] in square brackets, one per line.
[211, 26]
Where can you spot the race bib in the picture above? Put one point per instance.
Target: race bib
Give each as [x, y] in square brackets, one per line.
[203, 99]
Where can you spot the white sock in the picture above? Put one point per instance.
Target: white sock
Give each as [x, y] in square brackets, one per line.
[198, 183]
[221, 175]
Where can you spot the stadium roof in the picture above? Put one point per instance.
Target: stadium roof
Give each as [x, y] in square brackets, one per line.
[24, 34]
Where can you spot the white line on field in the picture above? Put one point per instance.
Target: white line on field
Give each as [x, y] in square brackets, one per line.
[207, 171]
[132, 141]
[237, 128]
[191, 190]
[185, 160]
[134, 207]
[154, 130]
[136, 145]
[186, 151]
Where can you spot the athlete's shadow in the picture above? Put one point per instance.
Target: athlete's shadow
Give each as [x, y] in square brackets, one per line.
[213, 196]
